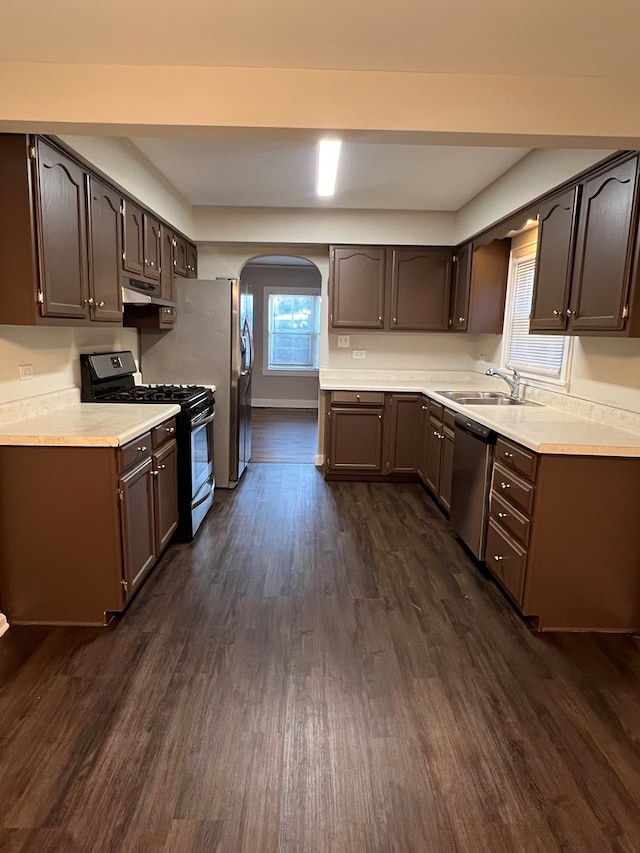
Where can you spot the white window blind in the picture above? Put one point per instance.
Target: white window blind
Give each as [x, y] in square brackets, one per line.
[541, 355]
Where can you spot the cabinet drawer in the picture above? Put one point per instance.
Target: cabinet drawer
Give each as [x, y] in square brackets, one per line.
[436, 410]
[163, 433]
[516, 457]
[134, 451]
[506, 560]
[509, 519]
[513, 488]
[357, 398]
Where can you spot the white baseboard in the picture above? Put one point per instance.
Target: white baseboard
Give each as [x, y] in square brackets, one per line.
[283, 404]
[319, 460]
[4, 625]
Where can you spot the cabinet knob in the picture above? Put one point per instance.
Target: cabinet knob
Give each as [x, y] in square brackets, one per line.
[170, 430]
[424, 408]
[497, 559]
[161, 467]
[504, 485]
[508, 454]
[460, 319]
[570, 313]
[153, 473]
[151, 264]
[357, 396]
[395, 320]
[379, 319]
[503, 515]
[141, 449]
[101, 304]
[89, 301]
[379, 417]
[556, 313]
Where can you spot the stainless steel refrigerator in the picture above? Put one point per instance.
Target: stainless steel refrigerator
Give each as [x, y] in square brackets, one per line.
[211, 344]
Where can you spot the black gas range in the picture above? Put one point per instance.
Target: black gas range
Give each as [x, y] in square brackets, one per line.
[108, 378]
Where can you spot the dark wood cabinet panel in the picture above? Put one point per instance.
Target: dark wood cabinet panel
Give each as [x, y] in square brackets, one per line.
[105, 252]
[403, 433]
[138, 524]
[62, 218]
[133, 239]
[420, 289]
[355, 439]
[434, 455]
[151, 247]
[192, 261]
[180, 256]
[604, 244]
[423, 439]
[166, 262]
[446, 469]
[554, 262]
[357, 287]
[461, 288]
[165, 493]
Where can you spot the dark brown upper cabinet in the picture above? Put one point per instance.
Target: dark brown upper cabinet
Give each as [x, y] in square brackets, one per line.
[420, 289]
[105, 252]
[192, 261]
[133, 239]
[62, 234]
[151, 247]
[554, 262]
[180, 256]
[605, 238]
[480, 287]
[167, 241]
[357, 281]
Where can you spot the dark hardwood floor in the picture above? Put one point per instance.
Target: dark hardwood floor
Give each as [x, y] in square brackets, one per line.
[284, 435]
[323, 671]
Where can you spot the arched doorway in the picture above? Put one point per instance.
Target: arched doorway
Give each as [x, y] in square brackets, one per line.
[286, 310]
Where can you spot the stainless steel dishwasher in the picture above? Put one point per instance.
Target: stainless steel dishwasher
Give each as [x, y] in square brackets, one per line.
[472, 462]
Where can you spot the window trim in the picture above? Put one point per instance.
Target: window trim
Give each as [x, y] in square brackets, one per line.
[524, 253]
[274, 290]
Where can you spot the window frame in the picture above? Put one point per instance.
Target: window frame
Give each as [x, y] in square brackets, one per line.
[527, 252]
[301, 372]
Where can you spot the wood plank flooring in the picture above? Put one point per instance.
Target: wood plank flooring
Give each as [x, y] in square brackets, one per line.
[284, 435]
[323, 671]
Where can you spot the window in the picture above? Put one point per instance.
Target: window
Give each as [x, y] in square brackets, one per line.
[537, 356]
[292, 330]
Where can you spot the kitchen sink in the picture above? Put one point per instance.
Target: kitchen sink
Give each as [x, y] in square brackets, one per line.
[485, 398]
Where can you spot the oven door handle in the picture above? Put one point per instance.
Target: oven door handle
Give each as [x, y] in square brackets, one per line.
[209, 482]
[204, 422]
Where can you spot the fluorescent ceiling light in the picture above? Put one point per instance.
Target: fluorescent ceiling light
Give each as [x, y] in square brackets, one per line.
[328, 157]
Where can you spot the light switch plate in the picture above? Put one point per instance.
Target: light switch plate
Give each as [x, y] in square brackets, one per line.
[359, 353]
[344, 341]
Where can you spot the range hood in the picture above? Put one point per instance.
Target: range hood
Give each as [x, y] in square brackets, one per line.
[140, 293]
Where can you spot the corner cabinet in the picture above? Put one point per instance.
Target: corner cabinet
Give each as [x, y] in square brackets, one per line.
[110, 512]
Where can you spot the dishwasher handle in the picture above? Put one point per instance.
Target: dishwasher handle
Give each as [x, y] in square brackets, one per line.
[479, 431]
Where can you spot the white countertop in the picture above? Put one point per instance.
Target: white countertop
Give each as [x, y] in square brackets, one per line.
[87, 425]
[540, 428]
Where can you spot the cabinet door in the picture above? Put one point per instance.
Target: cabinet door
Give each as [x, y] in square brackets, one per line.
[151, 247]
[138, 524]
[357, 282]
[166, 263]
[165, 494]
[132, 239]
[604, 244]
[180, 256]
[355, 440]
[434, 455]
[420, 290]
[423, 439]
[192, 261]
[554, 261]
[461, 288]
[446, 469]
[105, 252]
[403, 433]
[62, 234]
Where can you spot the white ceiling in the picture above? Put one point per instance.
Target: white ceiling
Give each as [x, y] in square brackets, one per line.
[253, 173]
[547, 37]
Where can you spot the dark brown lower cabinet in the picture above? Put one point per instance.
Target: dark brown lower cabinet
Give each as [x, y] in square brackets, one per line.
[563, 539]
[438, 443]
[423, 439]
[104, 516]
[402, 430]
[355, 439]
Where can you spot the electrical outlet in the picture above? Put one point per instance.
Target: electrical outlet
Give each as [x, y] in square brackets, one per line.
[25, 371]
[344, 341]
[359, 353]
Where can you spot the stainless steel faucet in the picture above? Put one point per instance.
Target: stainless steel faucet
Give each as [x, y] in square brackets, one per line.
[512, 381]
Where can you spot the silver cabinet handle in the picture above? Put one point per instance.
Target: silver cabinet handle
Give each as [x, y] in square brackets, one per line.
[569, 312]
[460, 319]
[508, 455]
[153, 473]
[101, 303]
[504, 485]
[556, 313]
[497, 559]
[395, 320]
[357, 396]
[379, 417]
[503, 515]
[170, 430]
[141, 449]
[379, 319]
[89, 301]
[161, 467]
[425, 408]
